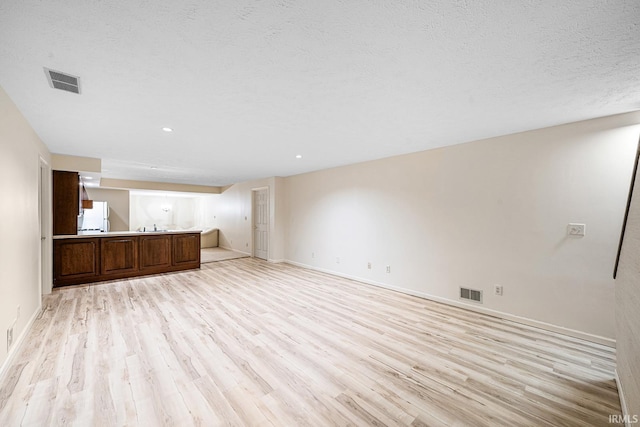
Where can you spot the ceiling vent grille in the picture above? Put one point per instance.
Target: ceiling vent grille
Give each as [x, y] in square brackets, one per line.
[471, 295]
[63, 81]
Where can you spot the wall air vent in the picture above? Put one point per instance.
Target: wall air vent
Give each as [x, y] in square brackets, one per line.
[471, 295]
[63, 81]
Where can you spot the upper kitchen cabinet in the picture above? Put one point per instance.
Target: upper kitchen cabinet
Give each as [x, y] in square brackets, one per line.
[66, 202]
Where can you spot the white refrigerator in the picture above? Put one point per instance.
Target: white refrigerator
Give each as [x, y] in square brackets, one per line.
[96, 219]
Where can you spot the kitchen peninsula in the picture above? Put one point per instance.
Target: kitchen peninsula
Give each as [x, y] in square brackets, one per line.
[88, 258]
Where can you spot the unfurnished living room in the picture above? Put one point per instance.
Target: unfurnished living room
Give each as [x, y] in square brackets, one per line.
[333, 213]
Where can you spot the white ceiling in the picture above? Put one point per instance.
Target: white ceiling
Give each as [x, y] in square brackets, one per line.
[248, 84]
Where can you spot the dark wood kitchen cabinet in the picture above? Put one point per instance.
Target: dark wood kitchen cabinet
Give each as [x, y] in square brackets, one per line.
[155, 253]
[76, 260]
[79, 260]
[119, 256]
[186, 250]
[66, 202]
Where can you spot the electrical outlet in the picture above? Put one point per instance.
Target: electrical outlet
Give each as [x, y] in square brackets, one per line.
[337, 260]
[576, 229]
[368, 266]
[247, 245]
[388, 269]
[9, 337]
[497, 290]
[313, 254]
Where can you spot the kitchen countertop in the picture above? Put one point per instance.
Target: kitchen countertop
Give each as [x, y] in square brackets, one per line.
[85, 234]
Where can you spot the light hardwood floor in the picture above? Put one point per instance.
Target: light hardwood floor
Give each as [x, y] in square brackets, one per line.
[244, 342]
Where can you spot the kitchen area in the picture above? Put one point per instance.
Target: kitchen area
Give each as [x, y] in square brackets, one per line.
[93, 242]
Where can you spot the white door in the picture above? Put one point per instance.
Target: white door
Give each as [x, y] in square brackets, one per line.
[261, 223]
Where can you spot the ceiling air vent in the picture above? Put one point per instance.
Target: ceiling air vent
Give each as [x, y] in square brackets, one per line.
[63, 81]
[471, 295]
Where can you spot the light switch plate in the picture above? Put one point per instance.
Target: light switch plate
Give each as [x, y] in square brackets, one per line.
[576, 229]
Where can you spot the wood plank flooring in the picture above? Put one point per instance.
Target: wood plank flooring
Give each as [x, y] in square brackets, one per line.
[245, 342]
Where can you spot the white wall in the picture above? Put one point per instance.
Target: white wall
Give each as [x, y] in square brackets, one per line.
[233, 213]
[279, 217]
[20, 279]
[205, 211]
[118, 205]
[628, 310]
[478, 214]
[172, 212]
[145, 211]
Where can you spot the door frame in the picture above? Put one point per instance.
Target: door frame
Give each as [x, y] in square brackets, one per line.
[626, 211]
[44, 220]
[253, 220]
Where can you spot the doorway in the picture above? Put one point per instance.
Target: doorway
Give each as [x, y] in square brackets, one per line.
[260, 219]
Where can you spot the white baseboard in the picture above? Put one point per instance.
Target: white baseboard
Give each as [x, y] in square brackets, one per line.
[17, 345]
[277, 261]
[472, 307]
[623, 402]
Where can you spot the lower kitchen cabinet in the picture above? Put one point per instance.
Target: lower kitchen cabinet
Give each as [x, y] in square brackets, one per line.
[84, 260]
[119, 255]
[155, 253]
[76, 260]
[186, 250]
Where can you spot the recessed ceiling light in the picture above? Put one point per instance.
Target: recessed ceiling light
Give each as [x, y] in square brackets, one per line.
[167, 129]
[299, 156]
[154, 167]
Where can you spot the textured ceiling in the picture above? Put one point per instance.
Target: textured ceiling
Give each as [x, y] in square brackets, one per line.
[248, 85]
